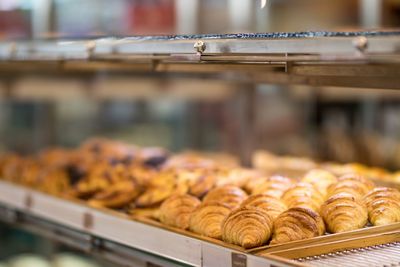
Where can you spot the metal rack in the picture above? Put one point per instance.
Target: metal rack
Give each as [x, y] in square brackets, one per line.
[353, 59]
[114, 235]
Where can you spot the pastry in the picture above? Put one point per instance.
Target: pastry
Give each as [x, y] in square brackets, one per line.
[297, 224]
[117, 195]
[237, 176]
[344, 212]
[320, 179]
[229, 195]
[272, 206]
[162, 186]
[207, 219]
[273, 186]
[176, 210]
[248, 227]
[383, 205]
[303, 195]
[354, 184]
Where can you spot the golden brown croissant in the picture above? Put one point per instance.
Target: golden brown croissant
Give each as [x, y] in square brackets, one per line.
[354, 184]
[162, 186]
[319, 178]
[303, 195]
[236, 176]
[207, 219]
[176, 210]
[270, 205]
[117, 195]
[229, 195]
[273, 186]
[343, 212]
[248, 227]
[297, 224]
[383, 205]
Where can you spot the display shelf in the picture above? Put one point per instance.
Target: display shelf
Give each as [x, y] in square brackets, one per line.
[100, 227]
[345, 59]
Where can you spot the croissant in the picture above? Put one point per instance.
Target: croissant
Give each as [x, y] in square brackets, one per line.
[303, 195]
[207, 219]
[162, 186]
[354, 184]
[272, 206]
[383, 205]
[319, 178]
[176, 210]
[248, 227]
[203, 183]
[297, 224]
[117, 195]
[273, 186]
[237, 176]
[229, 195]
[343, 212]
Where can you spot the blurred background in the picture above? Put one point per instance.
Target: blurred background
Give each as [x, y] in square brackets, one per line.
[337, 124]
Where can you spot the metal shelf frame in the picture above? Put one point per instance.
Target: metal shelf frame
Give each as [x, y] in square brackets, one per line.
[76, 223]
[347, 59]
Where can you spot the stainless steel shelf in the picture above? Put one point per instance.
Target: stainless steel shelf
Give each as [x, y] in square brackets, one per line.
[91, 224]
[363, 59]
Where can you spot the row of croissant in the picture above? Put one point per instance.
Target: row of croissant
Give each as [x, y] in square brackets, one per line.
[207, 195]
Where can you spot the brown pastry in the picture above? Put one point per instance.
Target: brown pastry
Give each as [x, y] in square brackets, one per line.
[297, 224]
[320, 179]
[207, 219]
[237, 177]
[273, 186]
[162, 186]
[383, 205]
[176, 210]
[343, 212]
[248, 227]
[272, 206]
[303, 195]
[117, 195]
[354, 184]
[229, 195]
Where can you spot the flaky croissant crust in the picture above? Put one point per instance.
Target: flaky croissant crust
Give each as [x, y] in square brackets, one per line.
[177, 209]
[320, 178]
[272, 206]
[303, 195]
[207, 219]
[383, 205]
[228, 194]
[297, 224]
[343, 212]
[248, 227]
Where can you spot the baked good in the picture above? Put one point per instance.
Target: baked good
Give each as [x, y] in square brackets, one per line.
[117, 195]
[207, 219]
[236, 176]
[303, 195]
[272, 206]
[354, 184]
[162, 186]
[274, 186]
[383, 205]
[202, 182]
[344, 212]
[248, 227]
[297, 224]
[229, 195]
[320, 179]
[177, 209]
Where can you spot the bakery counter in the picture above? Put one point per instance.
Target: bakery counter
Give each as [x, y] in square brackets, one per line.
[106, 231]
